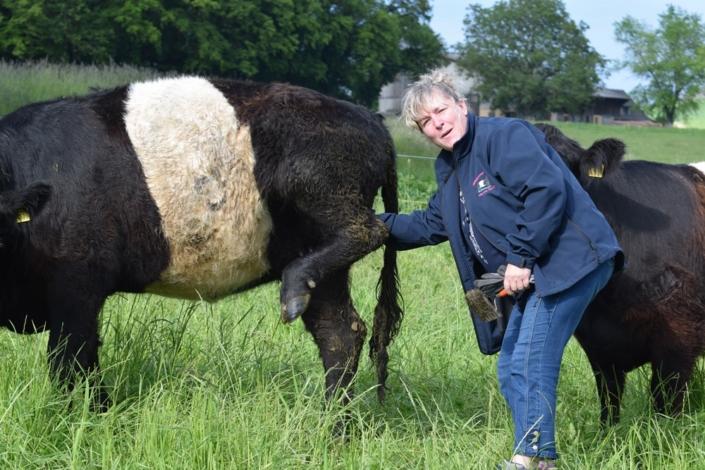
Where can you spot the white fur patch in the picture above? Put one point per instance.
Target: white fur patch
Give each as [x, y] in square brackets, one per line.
[199, 161]
[699, 165]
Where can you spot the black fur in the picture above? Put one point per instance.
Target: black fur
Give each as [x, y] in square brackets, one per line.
[654, 311]
[29, 199]
[319, 165]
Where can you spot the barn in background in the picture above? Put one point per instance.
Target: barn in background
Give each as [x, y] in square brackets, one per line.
[609, 107]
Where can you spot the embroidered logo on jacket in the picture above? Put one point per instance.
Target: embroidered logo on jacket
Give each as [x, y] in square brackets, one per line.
[483, 184]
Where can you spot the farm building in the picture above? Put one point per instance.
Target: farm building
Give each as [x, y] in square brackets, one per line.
[609, 107]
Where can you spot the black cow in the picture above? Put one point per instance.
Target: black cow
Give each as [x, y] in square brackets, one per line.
[654, 311]
[198, 189]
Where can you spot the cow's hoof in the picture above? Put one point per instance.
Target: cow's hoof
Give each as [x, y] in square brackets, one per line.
[295, 307]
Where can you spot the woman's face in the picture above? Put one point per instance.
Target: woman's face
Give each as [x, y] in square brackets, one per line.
[444, 121]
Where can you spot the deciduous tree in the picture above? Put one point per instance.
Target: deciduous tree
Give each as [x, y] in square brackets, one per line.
[530, 57]
[344, 48]
[672, 59]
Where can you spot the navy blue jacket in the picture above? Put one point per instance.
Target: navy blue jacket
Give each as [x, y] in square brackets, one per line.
[523, 199]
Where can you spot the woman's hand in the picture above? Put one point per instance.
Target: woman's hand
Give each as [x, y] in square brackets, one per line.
[516, 279]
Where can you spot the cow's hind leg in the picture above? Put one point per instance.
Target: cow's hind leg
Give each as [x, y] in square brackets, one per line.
[339, 333]
[73, 337]
[359, 233]
[669, 379]
[610, 386]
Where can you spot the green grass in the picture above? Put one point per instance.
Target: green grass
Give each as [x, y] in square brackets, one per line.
[227, 386]
[28, 82]
[696, 120]
[668, 145]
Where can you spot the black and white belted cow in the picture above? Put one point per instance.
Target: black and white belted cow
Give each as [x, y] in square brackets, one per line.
[198, 188]
[653, 311]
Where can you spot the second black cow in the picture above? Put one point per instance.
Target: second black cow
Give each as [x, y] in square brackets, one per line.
[197, 189]
[654, 311]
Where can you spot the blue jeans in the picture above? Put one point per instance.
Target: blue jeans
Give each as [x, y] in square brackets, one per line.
[530, 359]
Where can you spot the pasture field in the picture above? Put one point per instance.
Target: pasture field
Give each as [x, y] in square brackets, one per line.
[227, 386]
[697, 119]
[28, 82]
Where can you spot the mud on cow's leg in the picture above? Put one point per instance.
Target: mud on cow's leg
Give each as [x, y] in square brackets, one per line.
[339, 250]
[73, 337]
[339, 333]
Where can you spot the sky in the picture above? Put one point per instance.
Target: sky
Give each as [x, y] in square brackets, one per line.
[599, 15]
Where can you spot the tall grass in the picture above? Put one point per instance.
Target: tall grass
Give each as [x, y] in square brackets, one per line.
[27, 82]
[227, 386]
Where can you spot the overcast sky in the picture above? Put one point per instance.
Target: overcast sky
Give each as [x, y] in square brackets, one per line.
[599, 15]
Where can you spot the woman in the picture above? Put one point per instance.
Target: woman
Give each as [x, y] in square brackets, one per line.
[505, 198]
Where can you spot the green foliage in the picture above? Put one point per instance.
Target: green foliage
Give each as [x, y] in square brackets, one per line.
[65, 30]
[343, 48]
[671, 57]
[530, 57]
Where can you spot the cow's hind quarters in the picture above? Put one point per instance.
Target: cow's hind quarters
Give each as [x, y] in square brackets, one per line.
[292, 309]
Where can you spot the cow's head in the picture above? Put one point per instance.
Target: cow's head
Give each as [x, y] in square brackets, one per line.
[602, 158]
[18, 204]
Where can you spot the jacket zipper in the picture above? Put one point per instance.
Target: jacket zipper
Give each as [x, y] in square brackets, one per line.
[577, 227]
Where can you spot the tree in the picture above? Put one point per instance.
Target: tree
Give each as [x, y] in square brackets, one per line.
[671, 58]
[530, 57]
[344, 48]
[64, 30]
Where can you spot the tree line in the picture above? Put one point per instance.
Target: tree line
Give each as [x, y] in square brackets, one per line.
[527, 56]
[531, 58]
[344, 48]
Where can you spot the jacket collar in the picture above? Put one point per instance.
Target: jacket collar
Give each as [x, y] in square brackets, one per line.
[463, 146]
[445, 162]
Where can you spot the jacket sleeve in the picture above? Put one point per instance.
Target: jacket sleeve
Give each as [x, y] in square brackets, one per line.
[420, 228]
[537, 183]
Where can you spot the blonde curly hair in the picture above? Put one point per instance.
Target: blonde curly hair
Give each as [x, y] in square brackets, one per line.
[425, 93]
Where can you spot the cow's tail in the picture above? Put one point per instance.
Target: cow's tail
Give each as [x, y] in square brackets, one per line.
[388, 312]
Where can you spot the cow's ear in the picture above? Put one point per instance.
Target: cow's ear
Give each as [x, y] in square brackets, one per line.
[602, 158]
[35, 195]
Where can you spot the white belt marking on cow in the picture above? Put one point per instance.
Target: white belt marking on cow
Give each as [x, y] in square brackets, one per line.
[699, 165]
[199, 161]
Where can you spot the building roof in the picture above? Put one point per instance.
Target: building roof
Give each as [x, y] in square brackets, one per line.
[612, 94]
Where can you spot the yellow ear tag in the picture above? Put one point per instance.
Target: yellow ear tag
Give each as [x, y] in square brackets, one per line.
[595, 173]
[22, 215]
